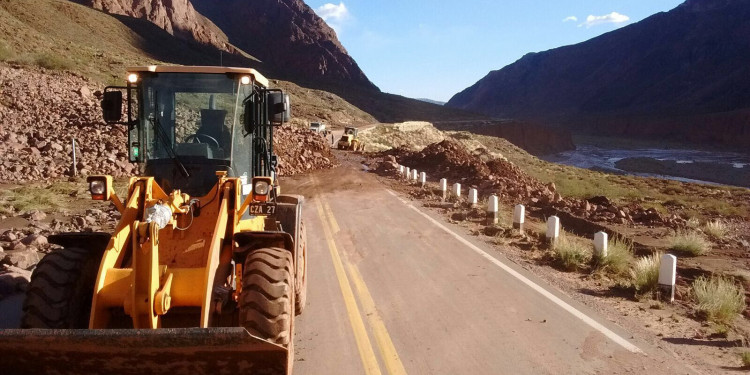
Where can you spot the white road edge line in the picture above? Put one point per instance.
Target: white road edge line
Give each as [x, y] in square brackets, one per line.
[575, 312]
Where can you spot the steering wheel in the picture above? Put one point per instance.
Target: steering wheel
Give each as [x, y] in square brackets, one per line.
[197, 137]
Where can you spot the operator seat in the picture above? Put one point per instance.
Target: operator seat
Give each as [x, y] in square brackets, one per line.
[212, 124]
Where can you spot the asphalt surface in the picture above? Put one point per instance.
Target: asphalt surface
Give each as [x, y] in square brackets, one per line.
[393, 289]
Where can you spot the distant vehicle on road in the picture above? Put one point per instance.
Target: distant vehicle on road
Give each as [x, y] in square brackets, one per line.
[318, 127]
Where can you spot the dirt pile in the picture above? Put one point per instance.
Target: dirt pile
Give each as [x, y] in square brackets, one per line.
[301, 150]
[40, 113]
[450, 159]
[447, 159]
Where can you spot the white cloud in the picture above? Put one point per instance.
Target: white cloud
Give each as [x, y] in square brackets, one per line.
[571, 18]
[613, 17]
[334, 15]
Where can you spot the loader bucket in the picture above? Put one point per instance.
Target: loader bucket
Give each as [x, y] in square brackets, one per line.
[170, 351]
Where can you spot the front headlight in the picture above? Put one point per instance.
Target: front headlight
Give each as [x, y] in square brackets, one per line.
[261, 187]
[97, 187]
[100, 187]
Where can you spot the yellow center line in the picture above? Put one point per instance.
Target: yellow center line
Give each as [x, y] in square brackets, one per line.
[331, 219]
[366, 352]
[382, 338]
[387, 349]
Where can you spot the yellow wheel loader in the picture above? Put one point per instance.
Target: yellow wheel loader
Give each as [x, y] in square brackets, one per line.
[349, 140]
[206, 269]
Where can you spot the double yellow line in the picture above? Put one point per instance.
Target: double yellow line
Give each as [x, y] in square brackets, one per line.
[387, 350]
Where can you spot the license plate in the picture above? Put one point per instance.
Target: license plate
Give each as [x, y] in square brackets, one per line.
[263, 209]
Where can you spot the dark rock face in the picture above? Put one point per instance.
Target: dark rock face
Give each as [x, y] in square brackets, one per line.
[674, 75]
[288, 37]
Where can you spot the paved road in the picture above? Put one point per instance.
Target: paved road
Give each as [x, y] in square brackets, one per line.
[394, 290]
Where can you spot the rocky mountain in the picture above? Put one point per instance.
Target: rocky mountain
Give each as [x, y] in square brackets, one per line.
[680, 75]
[288, 37]
[177, 17]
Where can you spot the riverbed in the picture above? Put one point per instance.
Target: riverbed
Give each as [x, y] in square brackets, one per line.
[602, 158]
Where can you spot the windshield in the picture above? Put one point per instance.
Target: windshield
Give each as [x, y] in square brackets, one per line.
[195, 113]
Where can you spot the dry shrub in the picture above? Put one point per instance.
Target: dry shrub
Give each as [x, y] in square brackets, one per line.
[570, 254]
[718, 298]
[689, 242]
[716, 229]
[645, 273]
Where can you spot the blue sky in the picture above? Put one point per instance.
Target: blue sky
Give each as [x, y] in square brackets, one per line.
[434, 49]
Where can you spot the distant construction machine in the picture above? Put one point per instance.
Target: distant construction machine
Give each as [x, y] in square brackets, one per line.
[349, 140]
[206, 268]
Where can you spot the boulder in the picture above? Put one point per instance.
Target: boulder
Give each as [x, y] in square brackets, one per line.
[24, 259]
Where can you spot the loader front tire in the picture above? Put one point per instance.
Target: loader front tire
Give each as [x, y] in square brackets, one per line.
[300, 297]
[61, 289]
[267, 298]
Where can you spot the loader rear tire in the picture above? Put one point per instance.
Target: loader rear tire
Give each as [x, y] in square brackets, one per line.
[267, 298]
[300, 297]
[61, 289]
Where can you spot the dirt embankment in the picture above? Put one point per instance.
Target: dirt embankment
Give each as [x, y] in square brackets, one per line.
[451, 160]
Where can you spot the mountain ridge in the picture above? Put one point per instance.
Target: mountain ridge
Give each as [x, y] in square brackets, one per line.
[673, 75]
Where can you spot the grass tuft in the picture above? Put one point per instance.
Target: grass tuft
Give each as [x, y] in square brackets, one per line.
[693, 223]
[6, 53]
[745, 358]
[718, 298]
[570, 254]
[645, 273]
[689, 242]
[716, 229]
[52, 62]
[619, 256]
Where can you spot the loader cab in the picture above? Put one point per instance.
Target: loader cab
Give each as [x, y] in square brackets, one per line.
[187, 123]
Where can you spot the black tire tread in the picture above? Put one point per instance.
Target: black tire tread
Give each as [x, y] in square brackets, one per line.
[267, 295]
[300, 296]
[51, 301]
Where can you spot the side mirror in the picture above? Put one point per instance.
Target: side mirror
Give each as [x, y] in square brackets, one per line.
[279, 108]
[112, 106]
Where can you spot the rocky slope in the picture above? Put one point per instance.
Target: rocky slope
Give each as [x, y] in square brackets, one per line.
[680, 75]
[288, 37]
[177, 17]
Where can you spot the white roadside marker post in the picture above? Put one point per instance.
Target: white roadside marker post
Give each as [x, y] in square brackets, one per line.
[667, 276]
[423, 179]
[414, 175]
[473, 197]
[457, 190]
[519, 214]
[444, 187]
[408, 173]
[400, 170]
[601, 241]
[553, 229]
[492, 207]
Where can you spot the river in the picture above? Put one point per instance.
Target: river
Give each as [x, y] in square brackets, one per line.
[603, 159]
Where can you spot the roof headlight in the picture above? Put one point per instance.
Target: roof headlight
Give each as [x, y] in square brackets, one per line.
[132, 78]
[245, 80]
